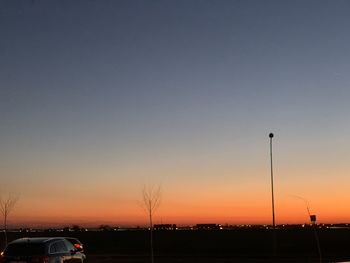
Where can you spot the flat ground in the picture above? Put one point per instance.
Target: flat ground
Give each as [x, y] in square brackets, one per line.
[214, 246]
[196, 259]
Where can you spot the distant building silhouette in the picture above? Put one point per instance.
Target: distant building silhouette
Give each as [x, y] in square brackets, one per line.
[208, 227]
[165, 227]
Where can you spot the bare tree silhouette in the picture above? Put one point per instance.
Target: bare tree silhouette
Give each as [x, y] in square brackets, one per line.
[151, 196]
[6, 207]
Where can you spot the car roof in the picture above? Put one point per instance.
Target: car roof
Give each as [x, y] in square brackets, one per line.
[36, 240]
[71, 238]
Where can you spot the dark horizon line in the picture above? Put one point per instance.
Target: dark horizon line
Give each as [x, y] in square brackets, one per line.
[145, 226]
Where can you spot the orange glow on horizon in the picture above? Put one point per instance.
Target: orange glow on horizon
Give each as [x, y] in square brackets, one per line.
[288, 211]
[204, 194]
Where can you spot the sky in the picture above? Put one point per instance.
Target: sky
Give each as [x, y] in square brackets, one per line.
[101, 98]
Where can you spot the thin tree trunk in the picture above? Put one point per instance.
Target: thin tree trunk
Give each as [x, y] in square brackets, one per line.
[151, 199]
[151, 236]
[5, 228]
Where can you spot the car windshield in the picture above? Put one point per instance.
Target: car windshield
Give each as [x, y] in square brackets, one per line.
[24, 249]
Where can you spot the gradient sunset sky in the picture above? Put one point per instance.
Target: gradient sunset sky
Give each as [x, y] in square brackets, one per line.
[99, 98]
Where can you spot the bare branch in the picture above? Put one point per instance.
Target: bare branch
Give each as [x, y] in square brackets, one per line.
[6, 207]
[151, 196]
[8, 204]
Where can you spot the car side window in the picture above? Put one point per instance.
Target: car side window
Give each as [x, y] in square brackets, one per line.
[58, 247]
[61, 247]
[69, 246]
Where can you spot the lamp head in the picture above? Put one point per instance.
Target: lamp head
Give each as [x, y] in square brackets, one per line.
[271, 135]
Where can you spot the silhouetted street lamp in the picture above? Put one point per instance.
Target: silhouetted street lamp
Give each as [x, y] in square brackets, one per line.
[273, 201]
[272, 191]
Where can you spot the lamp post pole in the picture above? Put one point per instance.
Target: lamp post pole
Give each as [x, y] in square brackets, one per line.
[273, 201]
[272, 190]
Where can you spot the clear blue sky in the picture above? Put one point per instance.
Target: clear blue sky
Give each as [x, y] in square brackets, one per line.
[116, 94]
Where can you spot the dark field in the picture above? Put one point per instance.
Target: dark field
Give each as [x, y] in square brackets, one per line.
[241, 245]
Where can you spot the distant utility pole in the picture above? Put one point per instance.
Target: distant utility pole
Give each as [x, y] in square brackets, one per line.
[273, 200]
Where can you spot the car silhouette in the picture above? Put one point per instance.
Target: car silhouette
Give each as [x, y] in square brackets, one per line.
[42, 250]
